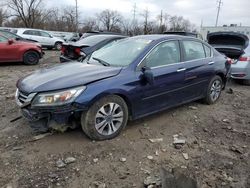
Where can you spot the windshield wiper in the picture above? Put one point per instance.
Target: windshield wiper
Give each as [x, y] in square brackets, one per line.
[101, 61]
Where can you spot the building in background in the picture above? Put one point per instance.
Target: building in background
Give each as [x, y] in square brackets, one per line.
[233, 27]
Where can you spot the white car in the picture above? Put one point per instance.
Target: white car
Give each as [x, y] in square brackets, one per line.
[43, 37]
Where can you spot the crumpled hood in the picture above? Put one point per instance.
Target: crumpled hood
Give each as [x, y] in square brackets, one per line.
[65, 76]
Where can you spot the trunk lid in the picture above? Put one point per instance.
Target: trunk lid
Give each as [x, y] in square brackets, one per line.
[231, 44]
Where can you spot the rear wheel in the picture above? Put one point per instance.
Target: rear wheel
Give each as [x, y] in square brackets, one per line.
[106, 118]
[214, 90]
[31, 58]
[58, 45]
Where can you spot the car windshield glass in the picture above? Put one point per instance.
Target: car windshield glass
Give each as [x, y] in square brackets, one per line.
[92, 40]
[120, 53]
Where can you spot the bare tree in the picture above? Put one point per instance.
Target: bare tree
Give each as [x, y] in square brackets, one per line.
[110, 20]
[89, 24]
[3, 16]
[26, 10]
[145, 16]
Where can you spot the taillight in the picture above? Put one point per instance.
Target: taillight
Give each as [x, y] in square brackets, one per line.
[78, 51]
[63, 49]
[244, 58]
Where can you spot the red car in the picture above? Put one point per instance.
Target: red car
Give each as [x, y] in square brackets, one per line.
[19, 51]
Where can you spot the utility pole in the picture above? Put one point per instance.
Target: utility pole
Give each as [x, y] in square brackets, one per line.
[161, 18]
[76, 15]
[134, 11]
[219, 7]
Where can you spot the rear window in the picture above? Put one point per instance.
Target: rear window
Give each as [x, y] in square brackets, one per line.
[92, 40]
[3, 39]
[193, 50]
[8, 34]
[31, 32]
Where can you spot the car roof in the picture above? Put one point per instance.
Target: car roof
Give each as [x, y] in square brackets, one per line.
[155, 37]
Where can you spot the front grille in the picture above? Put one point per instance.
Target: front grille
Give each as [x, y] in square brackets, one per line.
[24, 99]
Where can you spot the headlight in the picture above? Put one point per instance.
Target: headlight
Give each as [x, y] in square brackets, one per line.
[57, 98]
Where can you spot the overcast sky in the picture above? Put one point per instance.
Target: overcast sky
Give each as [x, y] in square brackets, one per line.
[232, 11]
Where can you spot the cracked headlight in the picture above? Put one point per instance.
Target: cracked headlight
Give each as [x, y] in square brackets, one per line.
[57, 98]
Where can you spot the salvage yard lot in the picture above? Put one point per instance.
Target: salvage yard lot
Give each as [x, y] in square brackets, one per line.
[217, 144]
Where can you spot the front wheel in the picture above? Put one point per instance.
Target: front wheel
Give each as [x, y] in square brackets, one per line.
[214, 90]
[106, 118]
[31, 58]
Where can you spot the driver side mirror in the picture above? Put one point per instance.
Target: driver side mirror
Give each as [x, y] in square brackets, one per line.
[10, 41]
[148, 75]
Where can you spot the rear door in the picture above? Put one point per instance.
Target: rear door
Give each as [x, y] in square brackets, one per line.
[164, 62]
[199, 66]
[47, 39]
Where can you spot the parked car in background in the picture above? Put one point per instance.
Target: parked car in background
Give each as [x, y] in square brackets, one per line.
[44, 38]
[12, 50]
[73, 37]
[128, 79]
[235, 46]
[9, 34]
[80, 49]
[90, 33]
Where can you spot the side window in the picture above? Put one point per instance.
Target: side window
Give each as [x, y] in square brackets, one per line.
[44, 34]
[164, 54]
[207, 50]
[3, 39]
[193, 50]
[36, 33]
[28, 32]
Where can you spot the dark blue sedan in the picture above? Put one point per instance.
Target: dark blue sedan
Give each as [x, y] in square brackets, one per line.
[128, 79]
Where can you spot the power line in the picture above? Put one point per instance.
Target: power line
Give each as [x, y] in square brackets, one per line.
[220, 3]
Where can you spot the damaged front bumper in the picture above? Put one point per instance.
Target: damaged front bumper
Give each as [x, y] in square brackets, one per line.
[44, 118]
[57, 118]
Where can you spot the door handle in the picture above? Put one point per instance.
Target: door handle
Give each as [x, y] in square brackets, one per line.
[211, 63]
[181, 69]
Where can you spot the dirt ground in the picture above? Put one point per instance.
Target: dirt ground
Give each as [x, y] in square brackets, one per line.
[217, 144]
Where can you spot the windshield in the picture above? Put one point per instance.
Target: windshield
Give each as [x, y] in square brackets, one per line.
[119, 53]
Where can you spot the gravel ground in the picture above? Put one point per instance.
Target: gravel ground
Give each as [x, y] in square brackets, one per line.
[215, 153]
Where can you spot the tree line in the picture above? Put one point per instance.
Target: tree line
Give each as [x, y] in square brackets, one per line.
[34, 14]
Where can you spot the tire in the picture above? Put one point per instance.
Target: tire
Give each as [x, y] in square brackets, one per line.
[31, 58]
[58, 45]
[98, 124]
[214, 90]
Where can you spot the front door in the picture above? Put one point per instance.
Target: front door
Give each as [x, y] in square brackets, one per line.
[168, 72]
[8, 52]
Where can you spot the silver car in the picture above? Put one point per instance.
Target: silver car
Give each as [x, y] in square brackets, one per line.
[43, 37]
[235, 46]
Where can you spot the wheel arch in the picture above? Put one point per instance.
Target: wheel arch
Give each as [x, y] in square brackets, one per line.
[223, 77]
[117, 93]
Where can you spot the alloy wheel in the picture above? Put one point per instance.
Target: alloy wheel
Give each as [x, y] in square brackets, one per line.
[109, 119]
[215, 90]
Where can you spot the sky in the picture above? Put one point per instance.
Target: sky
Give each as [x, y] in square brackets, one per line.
[197, 11]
